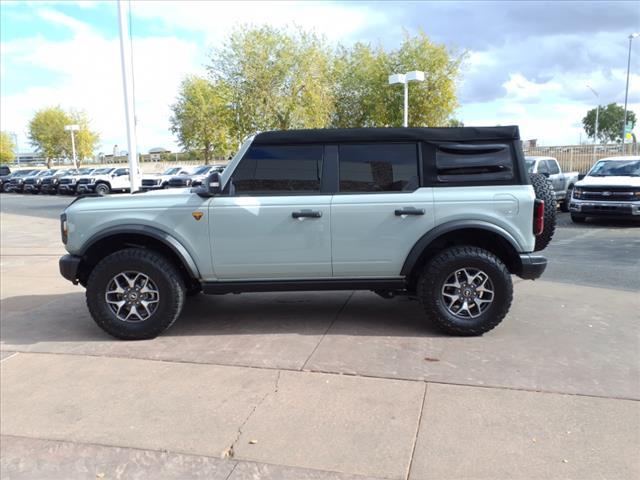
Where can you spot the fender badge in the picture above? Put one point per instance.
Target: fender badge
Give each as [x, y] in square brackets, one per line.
[197, 215]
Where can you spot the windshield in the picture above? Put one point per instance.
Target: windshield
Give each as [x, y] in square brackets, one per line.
[172, 171]
[202, 170]
[616, 168]
[84, 171]
[23, 173]
[103, 171]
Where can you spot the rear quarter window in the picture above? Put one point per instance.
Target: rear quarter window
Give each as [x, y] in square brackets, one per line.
[474, 163]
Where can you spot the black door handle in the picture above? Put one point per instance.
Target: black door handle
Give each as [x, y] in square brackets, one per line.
[306, 214]
[409, 211]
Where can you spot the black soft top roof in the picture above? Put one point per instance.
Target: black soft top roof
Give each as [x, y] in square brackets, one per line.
[457, 134]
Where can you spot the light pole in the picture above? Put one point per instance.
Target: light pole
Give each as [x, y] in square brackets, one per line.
[626, 91]
[127, 83]
[595, 137]
[73, 128]
[405, 78]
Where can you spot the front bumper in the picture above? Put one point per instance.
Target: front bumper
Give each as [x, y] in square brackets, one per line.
[590, 208]
[86, 187]
[67, 188]
[69, 265]
[532, 266]
[31, 188]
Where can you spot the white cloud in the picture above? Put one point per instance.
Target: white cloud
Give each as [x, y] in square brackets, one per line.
[216, 19]
[85, 74]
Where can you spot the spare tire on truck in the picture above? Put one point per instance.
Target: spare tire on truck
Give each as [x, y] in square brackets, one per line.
[544, 191]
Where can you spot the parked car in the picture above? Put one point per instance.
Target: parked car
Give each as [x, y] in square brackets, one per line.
[161, 180]
[16, 182]
[610, 189]
[196, 178]
[67, 184]
[562, 182]
[33, 183]
[5, 174]
[105, 181]
[444, 215]
[49, 183]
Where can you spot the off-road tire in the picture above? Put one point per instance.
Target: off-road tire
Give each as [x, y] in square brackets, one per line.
[103, 189]
[440, 267]
[160, 270]
[544, 191]
[564, 206]
[578, 218]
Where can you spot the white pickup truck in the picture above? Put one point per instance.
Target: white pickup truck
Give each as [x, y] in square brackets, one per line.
[562, 182]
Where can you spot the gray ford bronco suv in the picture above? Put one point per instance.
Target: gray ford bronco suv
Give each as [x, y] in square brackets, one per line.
[445, 215]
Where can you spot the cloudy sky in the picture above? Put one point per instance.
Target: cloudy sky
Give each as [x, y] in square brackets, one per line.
[528, 63]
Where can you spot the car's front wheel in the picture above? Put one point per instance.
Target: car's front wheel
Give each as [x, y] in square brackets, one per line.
[103, 189]
[465, 290]
[135, 294]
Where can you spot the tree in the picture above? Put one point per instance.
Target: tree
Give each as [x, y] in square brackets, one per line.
[610, 120]
[202, 117]
[363, 97]
[7, 148]
[276, 79]
[86, 140]
[48, 136]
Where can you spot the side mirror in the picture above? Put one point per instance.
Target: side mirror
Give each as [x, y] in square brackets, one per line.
[211, 186]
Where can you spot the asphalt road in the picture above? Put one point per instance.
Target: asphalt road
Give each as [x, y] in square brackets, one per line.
[602, 253]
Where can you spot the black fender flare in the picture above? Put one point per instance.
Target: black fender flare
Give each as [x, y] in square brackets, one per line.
[433, 234]
[155, 233]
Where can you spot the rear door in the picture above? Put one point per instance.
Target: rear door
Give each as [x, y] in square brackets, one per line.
[380, 211]
[275, 221]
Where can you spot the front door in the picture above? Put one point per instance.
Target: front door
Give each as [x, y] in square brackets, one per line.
[274, 223]
[380, 211]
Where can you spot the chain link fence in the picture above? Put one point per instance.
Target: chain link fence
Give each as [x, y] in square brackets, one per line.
[581, 157]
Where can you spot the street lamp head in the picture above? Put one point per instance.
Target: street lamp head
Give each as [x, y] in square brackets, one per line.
[72, 128]
[415, 76]
[397, 78]
[634, 35]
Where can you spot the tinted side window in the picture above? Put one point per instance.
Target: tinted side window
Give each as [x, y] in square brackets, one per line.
[121, 171]
[469, 163]
[553, 167]
[379, 167]
[543, 167]
[279, 170]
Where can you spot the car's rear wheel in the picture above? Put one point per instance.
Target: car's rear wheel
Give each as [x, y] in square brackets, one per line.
[135, 294]
[465, 290]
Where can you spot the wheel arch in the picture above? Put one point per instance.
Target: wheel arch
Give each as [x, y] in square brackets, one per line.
[117, 238]
[464, 232]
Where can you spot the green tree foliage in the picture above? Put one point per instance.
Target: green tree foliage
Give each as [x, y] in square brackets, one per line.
[267, 78]
[7, 148]
[86, 139]
[610, 122]
[363, 96]
[48, 136]
[202, 117]
[276, 79]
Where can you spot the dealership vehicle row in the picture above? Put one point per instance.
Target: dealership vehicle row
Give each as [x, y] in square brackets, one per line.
[104, 180]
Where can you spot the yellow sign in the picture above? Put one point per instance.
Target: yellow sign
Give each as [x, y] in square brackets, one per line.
[197, 215]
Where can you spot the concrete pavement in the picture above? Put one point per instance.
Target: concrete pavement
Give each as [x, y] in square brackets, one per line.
[329, 385]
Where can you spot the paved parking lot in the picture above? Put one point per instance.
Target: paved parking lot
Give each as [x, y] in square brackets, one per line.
[323, 385]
